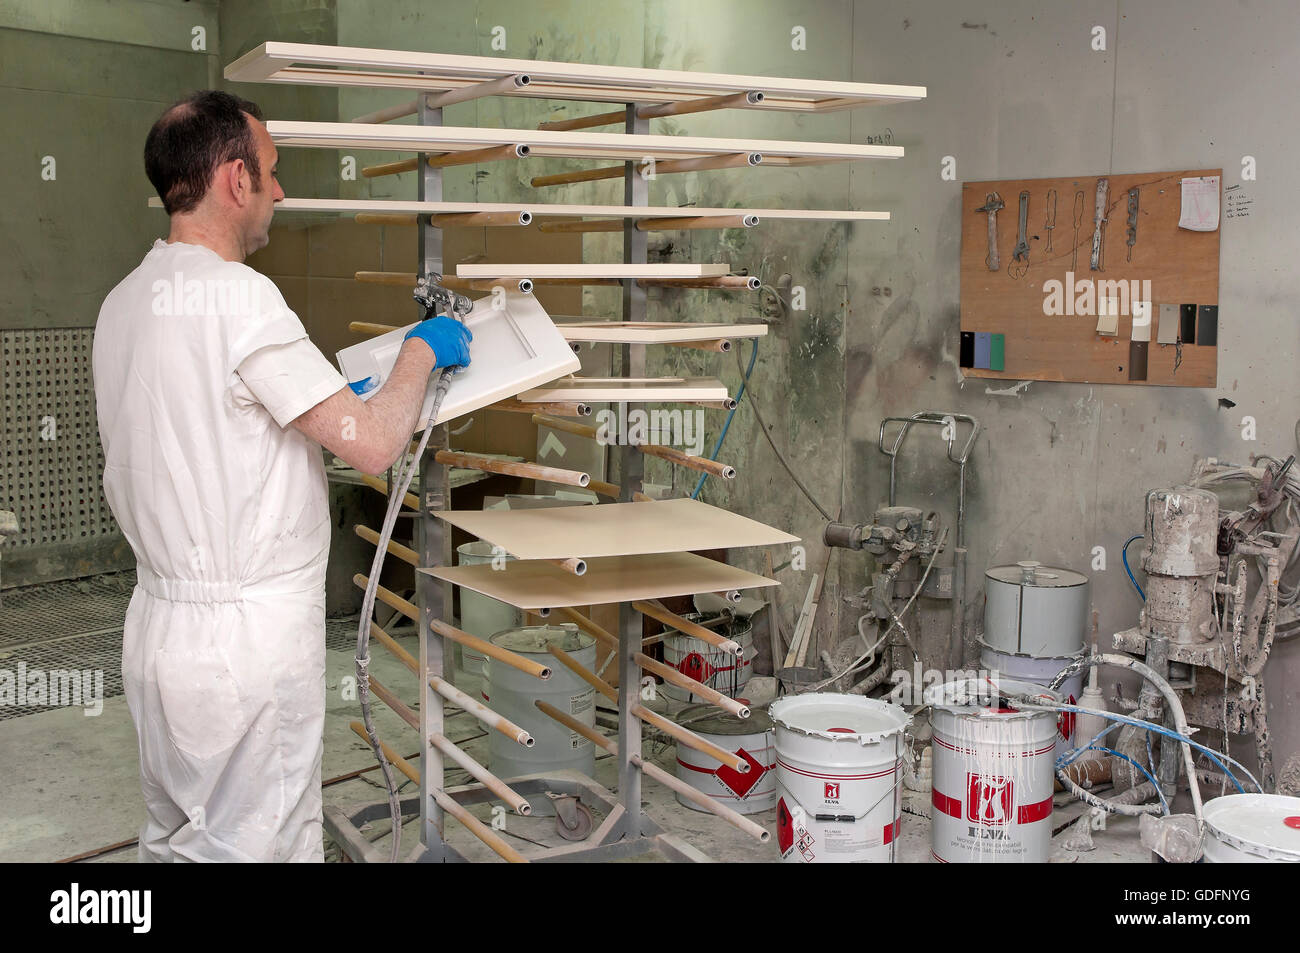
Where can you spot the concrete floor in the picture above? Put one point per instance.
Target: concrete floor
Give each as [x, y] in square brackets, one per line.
[70, 786]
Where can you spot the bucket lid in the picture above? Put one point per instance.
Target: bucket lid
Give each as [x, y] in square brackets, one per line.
[1264, 824]
[1063, 659]
[534, 639]
[837, 717]
[711, 721]
[738, 626]
[1043, 577]
[969, 696]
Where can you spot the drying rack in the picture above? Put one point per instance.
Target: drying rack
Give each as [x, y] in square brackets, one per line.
[438, 80]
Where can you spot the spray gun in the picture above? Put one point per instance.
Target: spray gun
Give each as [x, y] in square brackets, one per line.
[436, 300]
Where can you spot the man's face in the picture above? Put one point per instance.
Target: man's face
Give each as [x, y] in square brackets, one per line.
[261, 207]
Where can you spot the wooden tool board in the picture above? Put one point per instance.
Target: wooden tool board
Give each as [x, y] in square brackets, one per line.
[1182, 267]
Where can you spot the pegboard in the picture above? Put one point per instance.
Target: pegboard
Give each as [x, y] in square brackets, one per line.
[53, 463]
[1024, 317]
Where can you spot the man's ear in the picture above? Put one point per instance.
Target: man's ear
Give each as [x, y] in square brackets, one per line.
[238, 181]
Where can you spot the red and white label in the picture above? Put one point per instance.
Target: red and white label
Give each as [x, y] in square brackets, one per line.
[990, 801]
[832, 791]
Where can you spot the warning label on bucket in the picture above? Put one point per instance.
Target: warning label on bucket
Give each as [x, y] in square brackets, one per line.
[580, 703]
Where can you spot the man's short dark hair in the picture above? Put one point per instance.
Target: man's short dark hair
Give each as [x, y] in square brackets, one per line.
[192, 139]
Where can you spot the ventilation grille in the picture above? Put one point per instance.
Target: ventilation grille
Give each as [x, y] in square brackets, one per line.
[53, 463]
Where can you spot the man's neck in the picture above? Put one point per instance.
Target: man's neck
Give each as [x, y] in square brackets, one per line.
[193, 230]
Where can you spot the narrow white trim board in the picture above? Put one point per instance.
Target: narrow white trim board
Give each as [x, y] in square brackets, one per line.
[580, 270]
[634, 389]
[575, 144]
[515, 347]
[654, 332]
[536, 585]
[319, 64]
[615, 529]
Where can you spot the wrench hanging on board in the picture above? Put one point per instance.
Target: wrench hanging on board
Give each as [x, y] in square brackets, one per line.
[992, 203]
[1099, 225]
[1019, 263]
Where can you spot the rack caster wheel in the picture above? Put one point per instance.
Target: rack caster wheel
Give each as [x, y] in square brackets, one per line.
[572, 818]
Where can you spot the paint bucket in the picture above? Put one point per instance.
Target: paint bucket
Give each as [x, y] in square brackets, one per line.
[839, 760]
[1031, 609]
[1252, 829]
[709, 664]
[479, 614]
[751, 738]
[511, 694]
[1040, 671]
[993, 774]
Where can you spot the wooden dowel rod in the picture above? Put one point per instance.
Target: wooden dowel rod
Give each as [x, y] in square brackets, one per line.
[584, 673]
[639, 497]
[369, 327]
[666, 167]
[746, 282]
[471, 156]
[588, 626]
[389, 168]
[717, 346]
[529, 471]
[584, 122]
[712, 696]
[657, 773]
[378, 483]
[445, 801]
[705, 104]
[689, 738]
[405, 553]
[386, 218]
[481, 218]
[700, 799]
[390, 599]
[566, 426]
[476, 827]
[502, 85]
[480, 711]
[390, 643]
[566, 408]
[395, 703]
[573, 564]
[580, 175]
[690, 223]
[702, 464]
[601, 225]
[399, 278]
[491, 649]
[686, 626]
[390, 112]
[608, 490]
[482, 775]
[728, 404]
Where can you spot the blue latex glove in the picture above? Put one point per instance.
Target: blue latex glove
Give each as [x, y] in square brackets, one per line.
[363, 386]
[447, 338]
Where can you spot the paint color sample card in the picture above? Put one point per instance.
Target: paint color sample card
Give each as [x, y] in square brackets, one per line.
[966, 349]
[1187, 323]
[997, 352]
[1207, 325]
[982, 347]
[1167, 329]
[1141, 321]
[1137, 360]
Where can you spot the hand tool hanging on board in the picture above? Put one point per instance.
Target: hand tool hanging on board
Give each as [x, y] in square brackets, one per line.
[1078, 223]
[1049, 224]
[1099, 225]
[1019, 263]
[1132, 219]
[992, 203]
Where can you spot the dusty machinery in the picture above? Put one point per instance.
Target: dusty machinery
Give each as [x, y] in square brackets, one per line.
[1222, 586]
[906, 542]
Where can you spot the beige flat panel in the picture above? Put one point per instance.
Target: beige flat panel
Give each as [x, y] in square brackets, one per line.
[543, 210]
[320, 65]
[615, 529]
[542, 585]
[574, 145]
[589, 389]
[580, 270]
[653, 332]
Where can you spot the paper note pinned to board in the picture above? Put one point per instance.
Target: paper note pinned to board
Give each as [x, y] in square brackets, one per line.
[1200, 207]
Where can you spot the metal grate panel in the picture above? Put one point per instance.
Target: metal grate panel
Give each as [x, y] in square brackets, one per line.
[52, 468]
[60, 609]
[97, 652]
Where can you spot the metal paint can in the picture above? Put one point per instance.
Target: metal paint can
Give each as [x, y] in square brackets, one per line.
[479, 614]
[751, 738]
[1252, 829]
[709, 664]
[512, 693]
[1031, 609]
[993, 774]
[1040, 671]
[839, 768]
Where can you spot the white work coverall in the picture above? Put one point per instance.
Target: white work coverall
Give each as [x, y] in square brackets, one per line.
[199, 368]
